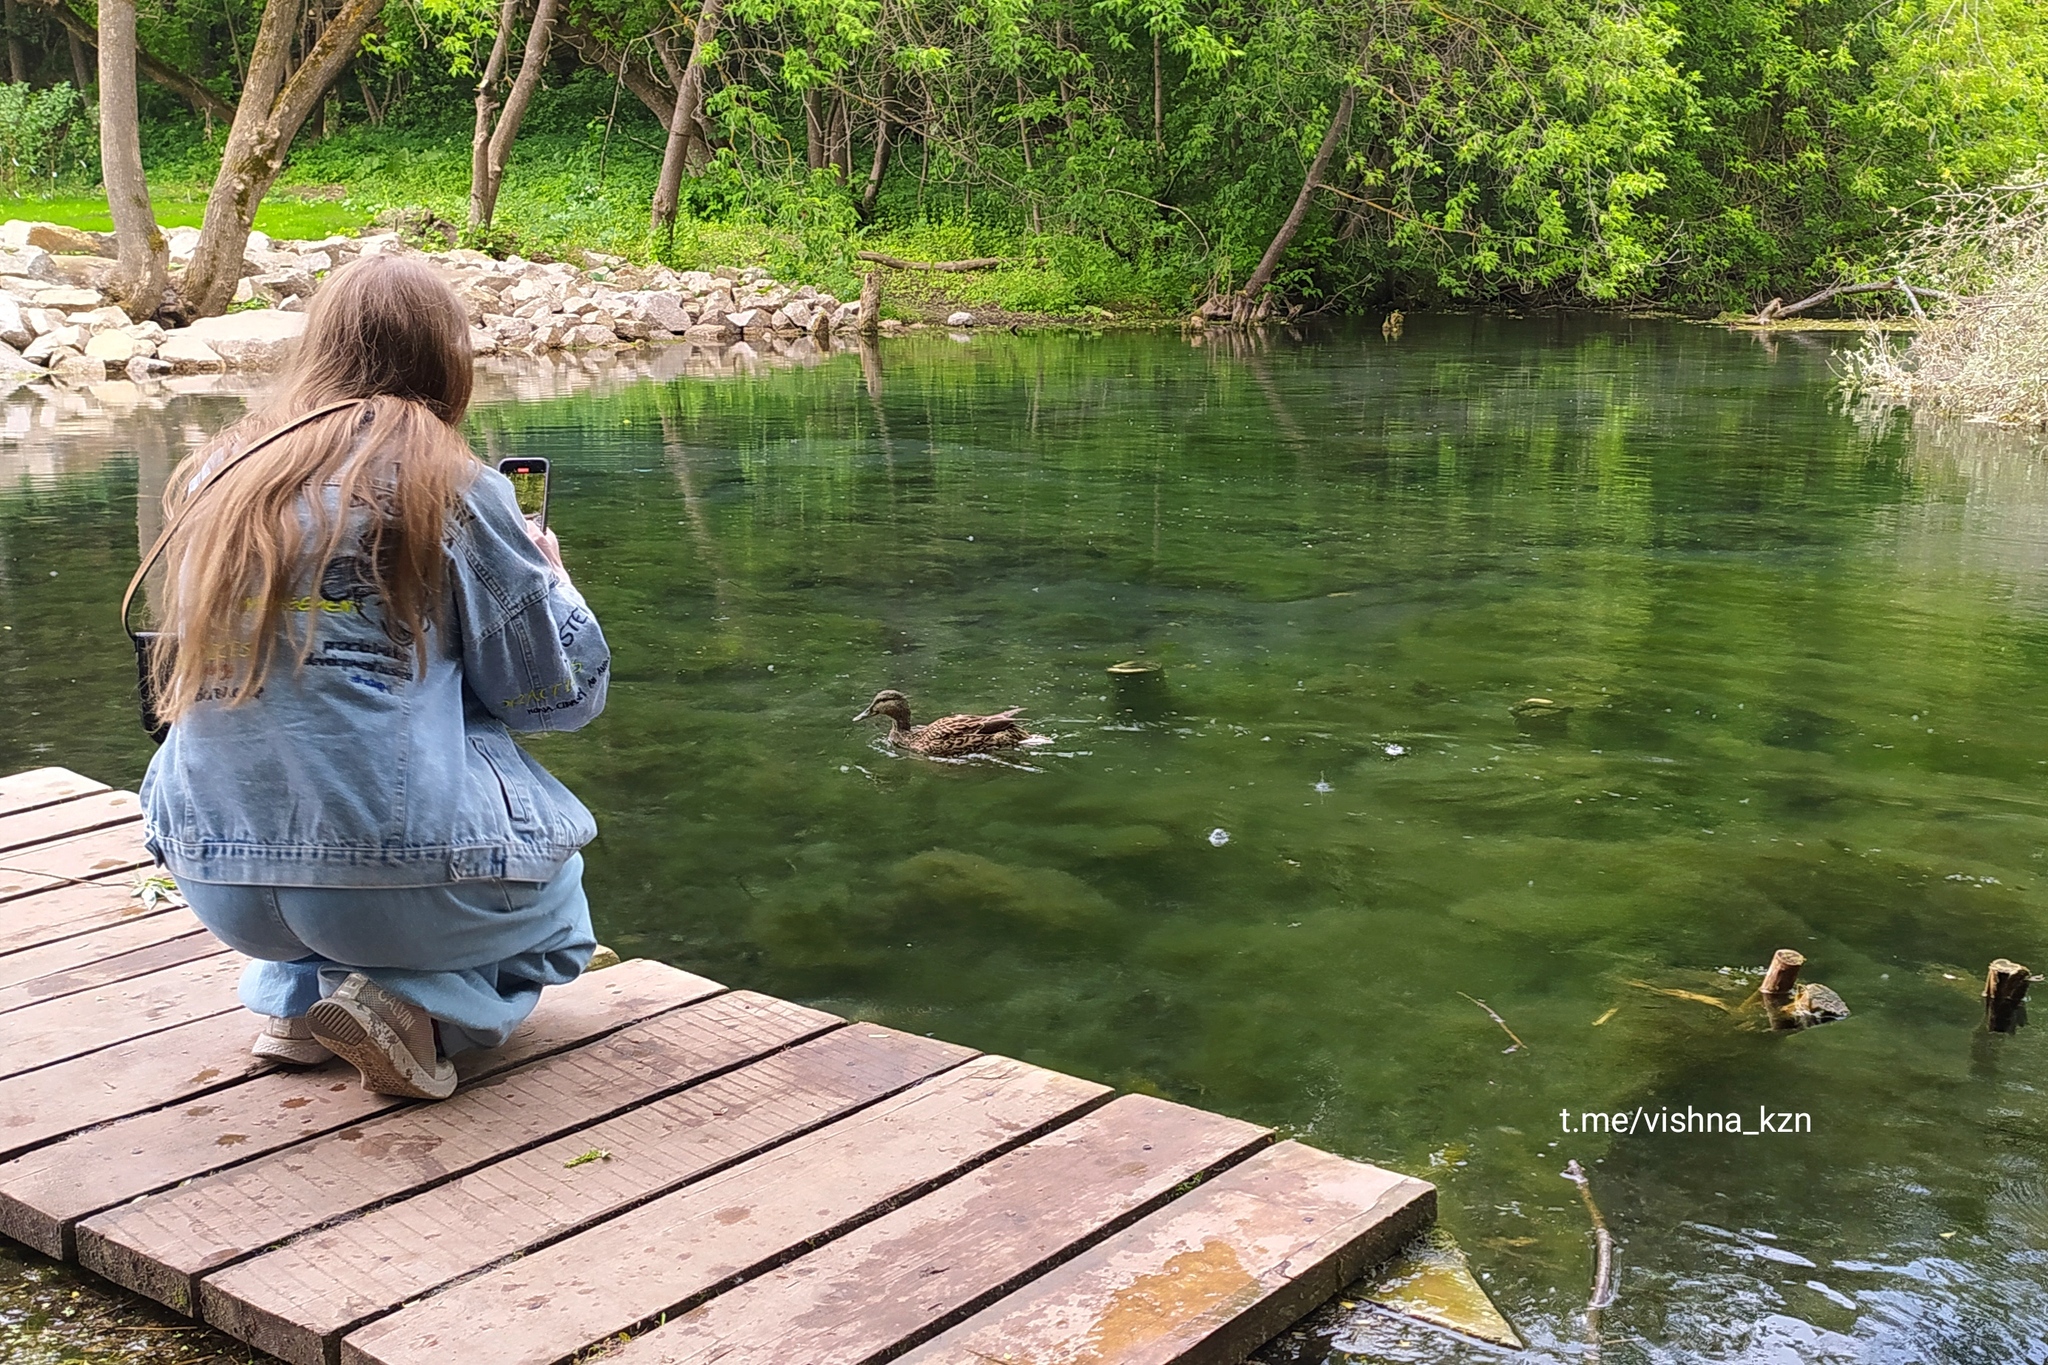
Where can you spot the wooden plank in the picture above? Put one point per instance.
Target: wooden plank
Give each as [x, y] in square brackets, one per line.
[894, 1281]
[664, 1256]
[160, 1246]
[57, 1030]
[81, 857]
[163, 1068]
[1210, 1277]
[184, 1063]
[65, 818]
[116, 953]
[43, 787]
[298, 1301]
[62, 910]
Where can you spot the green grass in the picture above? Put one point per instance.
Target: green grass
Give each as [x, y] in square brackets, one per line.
[280, 217]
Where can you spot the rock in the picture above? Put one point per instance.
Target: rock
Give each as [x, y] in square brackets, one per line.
[68, 297]
[146, 367]
[482, 341]
[316, 262]
[31, 263]
[100, 319]
[116, 348]
[187, 354]
[87, 272]
[65, 338]
[632, 329]
[182, 242]
[959, 319]
[665, 310]
[745, 318]
[1814, 1003]
[12, 363]
[254, 340]
[278, 285]
[590, 334]
[245, 290]
[716, 330]
[258, 241]
[41, 320]
[14, 329]
[74, 368]
[16, 234]
[797, 314]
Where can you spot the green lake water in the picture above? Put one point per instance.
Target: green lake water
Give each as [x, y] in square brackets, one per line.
[1805, 655]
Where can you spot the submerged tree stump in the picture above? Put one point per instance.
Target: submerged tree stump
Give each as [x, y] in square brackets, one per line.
[2005, 987]
[1784, 972]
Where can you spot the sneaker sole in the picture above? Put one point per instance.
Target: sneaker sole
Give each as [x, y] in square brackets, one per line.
[292, 1051]
[367, 1043]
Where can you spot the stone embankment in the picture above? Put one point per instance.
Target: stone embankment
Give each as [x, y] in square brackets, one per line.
[54, 319]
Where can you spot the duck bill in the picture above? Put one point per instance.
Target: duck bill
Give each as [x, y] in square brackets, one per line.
[866, 711]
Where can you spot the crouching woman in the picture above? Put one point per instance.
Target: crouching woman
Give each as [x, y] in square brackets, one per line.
[354, 616]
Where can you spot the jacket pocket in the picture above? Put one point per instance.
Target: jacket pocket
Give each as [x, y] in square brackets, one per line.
[515, 783]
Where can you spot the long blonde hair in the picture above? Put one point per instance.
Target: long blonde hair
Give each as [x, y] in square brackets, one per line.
[382, 329]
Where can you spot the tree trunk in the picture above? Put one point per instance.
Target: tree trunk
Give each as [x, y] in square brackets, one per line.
[881, 161]
[621, 69]
[687, 124]
[532, 62]
[1158, 98]
[138, 281]
[486, 115]
[17, 69]
[274, 106]
[814, 132]
[203, 101]
[1339, 123]
[81, 66]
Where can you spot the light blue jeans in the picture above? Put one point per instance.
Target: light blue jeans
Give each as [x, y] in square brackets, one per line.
[474, 955]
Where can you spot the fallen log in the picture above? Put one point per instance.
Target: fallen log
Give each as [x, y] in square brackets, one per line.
[1776, 309]
[898, 263]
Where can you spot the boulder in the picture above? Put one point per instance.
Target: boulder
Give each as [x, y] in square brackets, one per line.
[21, 287]
[73, 368]
[959, 319]
[316, 262]
[68, 297]
[482, 341]
[632, 329]
[665, 310]
[87, 272]
[100, 319]
[181, 242]
[16, 234]
[30, 262]
[279, 285]
[65, 338]
[258, 241]
[716, 329]
[253, 340]
[12, 363]
[187, 354]
[591, 334]
[41, 320]
[116, 348]
[14, 329]
[146, 367]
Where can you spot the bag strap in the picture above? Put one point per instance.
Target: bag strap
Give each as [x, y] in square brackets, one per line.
[171, 528]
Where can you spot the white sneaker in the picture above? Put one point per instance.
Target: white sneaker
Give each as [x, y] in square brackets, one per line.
[391, 1041]
[290, 1041]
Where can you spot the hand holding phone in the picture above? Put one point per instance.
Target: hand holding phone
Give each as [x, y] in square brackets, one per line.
[529, 476]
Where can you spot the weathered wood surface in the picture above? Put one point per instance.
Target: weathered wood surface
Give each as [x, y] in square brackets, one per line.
[1211, 1276]
[663, 1256]
[43, 787]
[115, 953]
[56, 1030]
[161, 1245]
[652, 1168]
[44, 1193]
[62, 911]
[297, 1301]
[884, 1284]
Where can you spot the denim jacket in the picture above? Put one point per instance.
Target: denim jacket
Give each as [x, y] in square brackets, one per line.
[356, 770]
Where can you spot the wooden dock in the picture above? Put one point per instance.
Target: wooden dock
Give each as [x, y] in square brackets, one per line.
[654, 1169]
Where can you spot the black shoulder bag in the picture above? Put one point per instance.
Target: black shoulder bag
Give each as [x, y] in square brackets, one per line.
[145, 640]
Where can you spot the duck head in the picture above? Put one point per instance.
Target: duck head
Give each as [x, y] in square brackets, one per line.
[891, 703]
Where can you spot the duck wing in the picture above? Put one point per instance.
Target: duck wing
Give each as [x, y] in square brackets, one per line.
[970, 734]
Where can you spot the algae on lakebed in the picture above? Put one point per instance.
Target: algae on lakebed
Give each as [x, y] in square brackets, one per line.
[1805, 652]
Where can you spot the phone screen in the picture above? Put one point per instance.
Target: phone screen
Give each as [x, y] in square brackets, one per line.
[529, 485]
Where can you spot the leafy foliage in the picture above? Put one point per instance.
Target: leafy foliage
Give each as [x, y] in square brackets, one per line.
[48, 138]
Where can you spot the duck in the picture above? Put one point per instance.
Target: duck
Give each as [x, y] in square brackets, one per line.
[948, 736]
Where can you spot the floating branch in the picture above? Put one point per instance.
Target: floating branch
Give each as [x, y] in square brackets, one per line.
[1677, 994]
[1774, 310]
[1603, 1268]
[1498, 1020]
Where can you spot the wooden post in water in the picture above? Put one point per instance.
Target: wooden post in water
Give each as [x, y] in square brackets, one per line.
[1784, 972]
[871, 304]
[2005, 986]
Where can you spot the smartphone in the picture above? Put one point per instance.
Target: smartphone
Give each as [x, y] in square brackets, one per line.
[529, 475]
